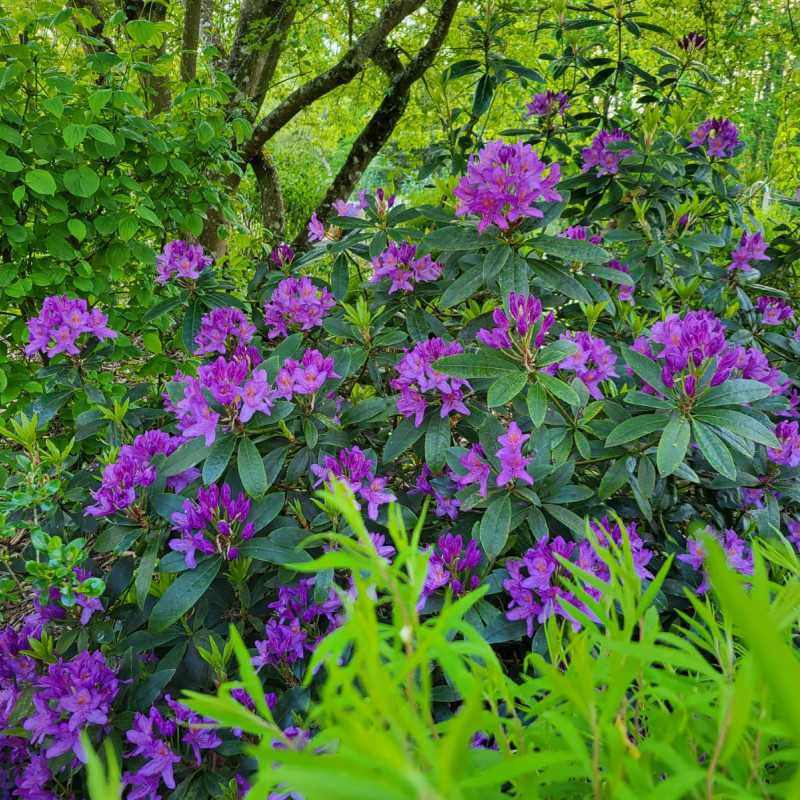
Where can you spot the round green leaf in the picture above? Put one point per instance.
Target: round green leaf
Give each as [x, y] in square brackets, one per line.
[82, 182]
[41, 181]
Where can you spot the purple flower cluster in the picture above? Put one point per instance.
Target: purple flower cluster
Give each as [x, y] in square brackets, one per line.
[232, 383]
[298, 304]
[788, 454]
[306, 376]
[624, 293]
[441, 490]
[751, 247]
[452, 566]
[773, 310]
[737, 554]
[222, 330]
[688, 343]
[719, 136]
[61, 323]
[535, 581]
[502, 184]
[525, 312]
[183, 260]
[71, 696]
[133, 470]
[580, 233]
[547, 104]
[400, 264]
[282, 255]
[593, 362]
[692, 41]
[215, 523]
[298, 623]
[354, 468]
[416, 377]
[604, 153]
[513, 465]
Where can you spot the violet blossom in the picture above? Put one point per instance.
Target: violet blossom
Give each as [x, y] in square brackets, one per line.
[751, 247]
[306, 376]
[719, 136]
[183, 260]
[282, 255]
[603, 153]
[298, 304]
[61, 323]
[400, 264]
[788, 453]
[737, 555]
[524, 323]
[593, 362]
[581, 233]
[451, 566]
[624, 292]
[773, 310]
[222, 330]
[503, 183]
[548, 104]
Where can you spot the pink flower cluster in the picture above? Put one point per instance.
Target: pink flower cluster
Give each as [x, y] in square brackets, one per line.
[513, 465]
[306, 376]
[604, 153]
[61, 323]
[355, 469]
[223, 330]
[548, 104]
[774, 310]
[451, 566]
[503, 183]
[593, 362]
[751, 247]
[400, 264]
[298, 304]
[525, 312]
[232, 383]
[134, 470]
[416, 378]
[181, 259]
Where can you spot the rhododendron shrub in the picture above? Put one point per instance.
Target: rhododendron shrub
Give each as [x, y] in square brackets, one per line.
[576, 353]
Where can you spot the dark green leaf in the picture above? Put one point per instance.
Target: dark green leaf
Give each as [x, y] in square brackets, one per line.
[571, 249]
[401, 438]
[437, 440]
[187, 455]
[714, 450]
[218, 457]
[635, 428]
[734, 392]
[557, 388]
[495, 526]
[537, 404]
[739, 424]
[183, 594]
[484, 364]
[646, 369]
[266, 509]
[251, 469]
[673, 445]
[506, 388]
[557, 351]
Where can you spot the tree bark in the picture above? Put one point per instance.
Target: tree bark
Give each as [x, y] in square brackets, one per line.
[156, 87]
[383, 122]
[191, 39]
[273, 213]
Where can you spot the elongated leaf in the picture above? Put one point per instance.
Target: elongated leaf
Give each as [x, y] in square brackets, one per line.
[714, 450]
[144, 572]
[451, 237]
[673, 445]
[557, 351]
[476, 365]
[571, 249]
[186, 456]
[537, 404]
[191, 324]
[646, 369]
[734, 392]
[495, 526]
[740, 424]
[506, 388]
[562, 281]
[251, 469]
[463, 287]
[636, 427]
[265, 550]
[613, 478]
[557, 388]
[647, 400]
[437, 440]
[187, 589]
[218, 457]
[266, 509]
[405, 435]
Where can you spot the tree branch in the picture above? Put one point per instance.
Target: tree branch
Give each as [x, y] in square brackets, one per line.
[273, 214]
[383, 122]
[353, 61]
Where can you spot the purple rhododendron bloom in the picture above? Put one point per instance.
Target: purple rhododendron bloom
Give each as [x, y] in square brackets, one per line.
[512, 463]
[445, 505]
[581, 233]
[788, 454]
[282, 255]
[451, 566]
[719, 136]
[477, 470]
[61, 323]
[593, 362]
[692, 41]
[316, 229]
[298, 304]
[547, 104]
[215, 523]
[222, 330]
[502, 184]
[183, 260]
[751, 247]
[306, 376]
[600, 154]
[356, 470]
[793, 528]
[399, 263]
[417, 381]
[148, 735]
[737, 554]
[624, 292]
[33, 780]
[774, 310]
[524, 316]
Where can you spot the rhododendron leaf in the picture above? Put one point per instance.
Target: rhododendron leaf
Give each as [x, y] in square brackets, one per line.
[495, 526]
[557, 351]
[561, 281]
[645, 368]
[450, 238]
[637, 398]
[734, 392]
[251, 469]
[613, 275]
[272, 553]
[571, 249]
[537, 404]
[191, 324]
[187, 455]
[463, 287]
[506, 388]
[265, 510]
[614, 478]
[437, 440]
[672, 445]
[484, 364]
[636, 427]
[144, 571]
[714, 450]
[739, 424]
[218, 457]
[557, 388]
[183, 594]
[401, 438]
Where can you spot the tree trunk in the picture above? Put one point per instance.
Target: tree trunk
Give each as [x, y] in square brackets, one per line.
[383, 122]
[191, 39]
[156, 87]
[273, 213]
